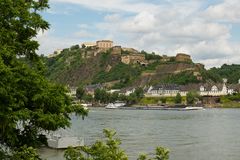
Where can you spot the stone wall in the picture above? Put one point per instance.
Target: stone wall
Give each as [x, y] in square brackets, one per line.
[181, 57]
[116, 50]
[133, 58]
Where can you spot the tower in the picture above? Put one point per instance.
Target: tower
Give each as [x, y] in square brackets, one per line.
[224, 89]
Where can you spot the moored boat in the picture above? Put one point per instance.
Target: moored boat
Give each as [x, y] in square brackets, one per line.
[61, 142]
[115, 105]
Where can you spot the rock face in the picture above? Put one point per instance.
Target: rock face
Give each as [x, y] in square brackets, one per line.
[181, 57]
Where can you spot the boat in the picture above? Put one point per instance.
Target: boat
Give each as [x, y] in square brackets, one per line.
[58, 140]
[86, 104]
[115, 105]
[190, 108]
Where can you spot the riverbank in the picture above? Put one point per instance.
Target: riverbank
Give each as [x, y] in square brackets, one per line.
[222, 102]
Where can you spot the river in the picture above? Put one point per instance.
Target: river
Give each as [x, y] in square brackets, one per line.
[211, 134]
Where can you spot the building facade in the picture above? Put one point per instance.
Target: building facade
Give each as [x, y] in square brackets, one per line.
[181, 57]
[171, 90]
[104, 44]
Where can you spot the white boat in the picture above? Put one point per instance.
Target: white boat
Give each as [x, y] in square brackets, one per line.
[189, 108]
[115, 105]
[86, 104]
[58, 140]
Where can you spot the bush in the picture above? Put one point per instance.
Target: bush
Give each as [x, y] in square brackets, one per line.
[108, 149]
[178, 99]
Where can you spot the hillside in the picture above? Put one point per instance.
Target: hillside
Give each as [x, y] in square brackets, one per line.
[118, 67]
[231, 72]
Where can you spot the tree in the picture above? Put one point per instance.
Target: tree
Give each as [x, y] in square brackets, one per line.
[29, 103]
[139, 93]
[83, 46]
[87, 98]
[108, 149]
[114, 97]
[101, 95]
[192, 97]
[80, 92]
[178, 99]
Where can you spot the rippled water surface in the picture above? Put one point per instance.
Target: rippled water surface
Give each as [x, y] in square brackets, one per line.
[212, 134]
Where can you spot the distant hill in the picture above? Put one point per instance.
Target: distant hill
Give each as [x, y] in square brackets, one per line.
[231, 72]
[125, 67]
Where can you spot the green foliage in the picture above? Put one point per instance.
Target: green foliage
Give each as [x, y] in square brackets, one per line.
[114, 97]
[139, 93]
[163, 100]
[178, 99]
[75, 47]
[161, 154]
[152, 66]
[87, 98]
[101, 95]
[105, 58]
[230, 101]
[182, 78]
[152, 57]
[150, 100]
[123, 72]
[67, 60]
[100, 150]
[192, 97]
[108, 149]
[231, 72]
[136, 96]
[80, 92]
[29, 103]
[25, 153]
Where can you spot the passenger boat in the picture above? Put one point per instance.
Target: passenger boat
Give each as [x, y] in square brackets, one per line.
[190, 108]
[115, 105]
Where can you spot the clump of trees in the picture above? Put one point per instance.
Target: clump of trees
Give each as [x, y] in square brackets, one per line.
[102, 96]
[109, 149]
[178, 99]
[192, 97]
[29, 103]
[182, 78]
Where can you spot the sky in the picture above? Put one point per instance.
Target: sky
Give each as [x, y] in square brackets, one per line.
[208, 30]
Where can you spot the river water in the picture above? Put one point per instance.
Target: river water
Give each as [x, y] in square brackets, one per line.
[212, 134]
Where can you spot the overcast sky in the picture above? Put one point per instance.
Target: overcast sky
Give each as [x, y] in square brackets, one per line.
[208, 30]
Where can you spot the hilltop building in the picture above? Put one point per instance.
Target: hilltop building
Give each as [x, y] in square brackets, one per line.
[104, 44]
[182, 57]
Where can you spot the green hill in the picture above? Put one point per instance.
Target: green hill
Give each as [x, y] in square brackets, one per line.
[80, 66]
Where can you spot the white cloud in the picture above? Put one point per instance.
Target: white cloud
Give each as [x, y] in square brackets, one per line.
[50, 43]
[171, 27]
[228, 11]
[83, 34]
